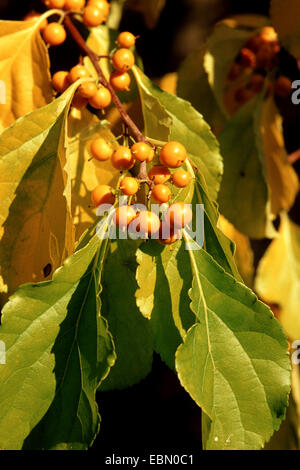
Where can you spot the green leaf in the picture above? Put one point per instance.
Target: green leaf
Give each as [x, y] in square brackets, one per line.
[244, 195]
[216, 243]
[193, 86]
[285, 18]
[234, 357]
[168, 117]
[35, 191]
[164, 277]
[131, 332]
[58, 351]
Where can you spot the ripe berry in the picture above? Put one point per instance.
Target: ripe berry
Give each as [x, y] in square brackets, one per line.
[242, 95]
[103, 194]
[92, 16]
[126, 40]
[79, 102]
[173, 154]
[122, 158]
[147, 223]
[265, 56]
[159, 174]
[141, 151]
[123, 216]
[102, 5]
[151, 156]
[254, 43]
[129, 186]
[174, 236]
[101, 150]
[247, 58]
[60, 81]
[269, 34]
[235, 71]
[34, 16]
[54, 34]
[181, 178]
[257, 82]
[123, 60]
[179, 215]
[74, 4]
[55, 4]
[77, 72]
[283, 87]
[88, 89]
[120, 81]
[161, 193]
[101, 99]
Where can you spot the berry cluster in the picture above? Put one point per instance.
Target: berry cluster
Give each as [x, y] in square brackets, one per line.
[146, 223]
[93, 13]
[90, 92]
[255, 60]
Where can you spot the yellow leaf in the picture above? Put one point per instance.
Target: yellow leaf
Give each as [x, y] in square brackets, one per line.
[85, 174]
[168, 82]
[282, 178]
[24, 68]
[243, 254]
[35, 193]
[278, 276]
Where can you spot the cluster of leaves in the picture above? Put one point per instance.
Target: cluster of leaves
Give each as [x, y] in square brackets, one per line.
[79, 330]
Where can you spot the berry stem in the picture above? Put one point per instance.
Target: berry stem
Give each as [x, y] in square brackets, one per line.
[94, 58]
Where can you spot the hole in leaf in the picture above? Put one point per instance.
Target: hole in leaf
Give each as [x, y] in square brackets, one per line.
[47, 270]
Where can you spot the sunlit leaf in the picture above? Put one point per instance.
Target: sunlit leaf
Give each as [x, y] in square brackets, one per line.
[24, 69]
[234, 362]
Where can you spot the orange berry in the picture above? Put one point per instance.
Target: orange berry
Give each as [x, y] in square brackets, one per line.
[179, 215]
[159, 174]
[173, 235]
[235, 71]
[101, 99]
[123, 216]
[269, 34]
[141, 151]
[147, 223]
[283, 87]
[79, 102]
[242, 95]
[60, 81]
[126, 39]
[77, 72]
[181, 178]
[103, 194]
[123, 60]
[129, 186]
[173, 154]
[161, 193]
[151, 156]
[92, 16]
[102, 5]
[247, 58]
[74, 4]
[88, 89]
[120, 81]
[55, 4]
[101, 150]
[257, 82]
[122, 158]
[34, 16]
[54, 34]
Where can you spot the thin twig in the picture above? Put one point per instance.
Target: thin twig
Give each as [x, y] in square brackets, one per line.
[102, 80]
